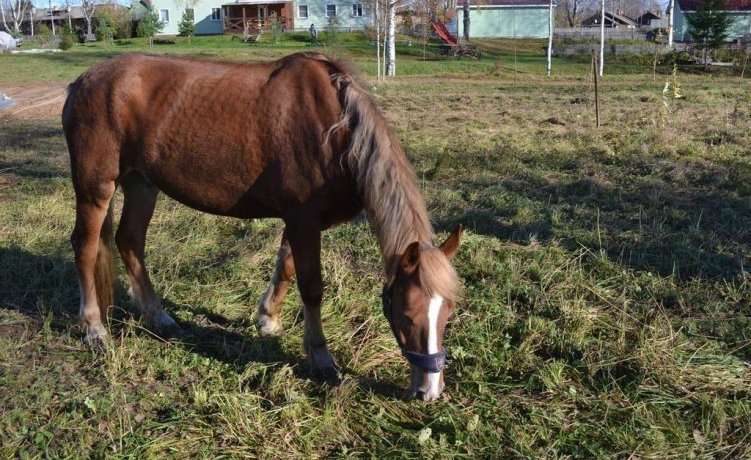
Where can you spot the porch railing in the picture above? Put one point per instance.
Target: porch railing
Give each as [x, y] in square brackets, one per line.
[233, 25]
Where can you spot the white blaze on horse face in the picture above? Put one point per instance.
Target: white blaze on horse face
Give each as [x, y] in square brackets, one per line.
[434, 311]
[434, 378]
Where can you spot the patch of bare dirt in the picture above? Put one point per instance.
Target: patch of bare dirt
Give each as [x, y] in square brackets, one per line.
[34, 101]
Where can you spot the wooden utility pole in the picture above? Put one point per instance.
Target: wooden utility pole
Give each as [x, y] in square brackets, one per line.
[550, 37]
[597, 95]
[465, 19]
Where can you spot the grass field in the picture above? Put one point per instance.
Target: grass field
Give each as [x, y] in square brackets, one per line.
[607, 309]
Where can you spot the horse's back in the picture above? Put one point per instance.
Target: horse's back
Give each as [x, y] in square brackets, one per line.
[220, 137]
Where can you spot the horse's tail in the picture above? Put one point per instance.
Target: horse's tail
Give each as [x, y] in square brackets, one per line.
[104, 272]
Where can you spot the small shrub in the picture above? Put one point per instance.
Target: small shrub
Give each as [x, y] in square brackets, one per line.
[66, 42]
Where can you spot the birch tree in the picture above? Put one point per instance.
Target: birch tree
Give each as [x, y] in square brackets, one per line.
[379, 28]
[14, 11]
[88, 8]
[391, 58]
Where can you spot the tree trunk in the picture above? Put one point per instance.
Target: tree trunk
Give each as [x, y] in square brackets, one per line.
[378, 41]
[465, 11]
[670, 24]
[602, 39]
[2, 13]
[550, 38]
[391, 68]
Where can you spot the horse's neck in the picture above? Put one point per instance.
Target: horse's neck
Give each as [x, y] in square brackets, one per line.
[400, 220]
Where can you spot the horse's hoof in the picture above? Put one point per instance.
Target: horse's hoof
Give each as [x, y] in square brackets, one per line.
[269, 327]
[165, 326]
[96, 337]
[324, 366]
[329, 375]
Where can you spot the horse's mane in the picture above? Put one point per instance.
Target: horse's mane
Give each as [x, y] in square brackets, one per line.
[393, 202]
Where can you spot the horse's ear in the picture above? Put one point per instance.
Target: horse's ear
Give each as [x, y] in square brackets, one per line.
[411, 258]
[451, 245]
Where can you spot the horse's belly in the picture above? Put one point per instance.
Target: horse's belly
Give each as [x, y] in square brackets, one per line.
[224, 183]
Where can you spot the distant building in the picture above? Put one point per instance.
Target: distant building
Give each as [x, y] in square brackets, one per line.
[738, 10]
[651, 20]
[228, 16]
[503, 19]
[612, 21]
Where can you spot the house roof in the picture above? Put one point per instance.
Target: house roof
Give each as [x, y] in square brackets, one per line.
[504, 3]
[648, 15]
[730, 5]
[613, 17]
[43, 14]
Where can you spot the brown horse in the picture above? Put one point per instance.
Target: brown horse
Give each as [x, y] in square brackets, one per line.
[297, 139]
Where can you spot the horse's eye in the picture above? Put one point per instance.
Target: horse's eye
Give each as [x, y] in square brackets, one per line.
[386, 302]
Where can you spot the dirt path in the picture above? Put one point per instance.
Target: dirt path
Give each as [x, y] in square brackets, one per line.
[34, 101]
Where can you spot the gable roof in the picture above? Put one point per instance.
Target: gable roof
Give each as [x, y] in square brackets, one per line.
[612, 17]
[730, 5]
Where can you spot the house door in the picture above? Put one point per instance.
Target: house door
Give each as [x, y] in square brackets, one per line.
[262, 13]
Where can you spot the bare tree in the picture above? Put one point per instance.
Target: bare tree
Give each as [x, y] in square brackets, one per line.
[14, 11]
[572, 11]
[380, 26]
[88, 8]
[2, 13]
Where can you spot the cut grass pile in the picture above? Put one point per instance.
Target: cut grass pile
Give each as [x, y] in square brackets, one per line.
[607, 308]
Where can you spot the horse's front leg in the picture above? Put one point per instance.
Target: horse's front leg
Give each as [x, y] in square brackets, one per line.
[305, 241]
[268, 315]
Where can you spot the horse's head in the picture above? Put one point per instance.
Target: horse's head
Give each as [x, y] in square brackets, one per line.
[418, 303]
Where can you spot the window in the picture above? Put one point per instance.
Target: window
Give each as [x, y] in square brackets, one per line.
[357, 10]
[330, 11]
[302, 11]
[216, 14]
[164, 16]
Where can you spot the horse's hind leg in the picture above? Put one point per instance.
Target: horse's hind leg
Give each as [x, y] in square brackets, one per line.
[138, 207]
[90, 241]
[268, 318]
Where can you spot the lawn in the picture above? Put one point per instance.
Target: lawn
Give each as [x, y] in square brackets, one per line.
[606, 310]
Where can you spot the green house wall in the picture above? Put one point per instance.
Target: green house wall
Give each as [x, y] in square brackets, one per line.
[505, 22]
[739, 26]
[344, 18]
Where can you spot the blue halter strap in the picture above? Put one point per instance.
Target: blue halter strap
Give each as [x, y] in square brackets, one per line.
[430, 363]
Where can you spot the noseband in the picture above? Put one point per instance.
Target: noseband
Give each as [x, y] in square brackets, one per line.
[431, 363]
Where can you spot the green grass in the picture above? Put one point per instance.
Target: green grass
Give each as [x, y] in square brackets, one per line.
[607, 308]
[521, 57]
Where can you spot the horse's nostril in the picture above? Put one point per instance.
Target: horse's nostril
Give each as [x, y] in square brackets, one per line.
[421, 395]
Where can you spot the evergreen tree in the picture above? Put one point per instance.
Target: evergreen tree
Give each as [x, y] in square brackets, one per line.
[709, 26]
[187, 26]
[149, 26]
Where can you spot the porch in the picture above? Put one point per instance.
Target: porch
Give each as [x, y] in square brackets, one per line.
[251, 18]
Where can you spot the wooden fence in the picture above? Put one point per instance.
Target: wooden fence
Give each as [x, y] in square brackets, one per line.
[594, 32]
